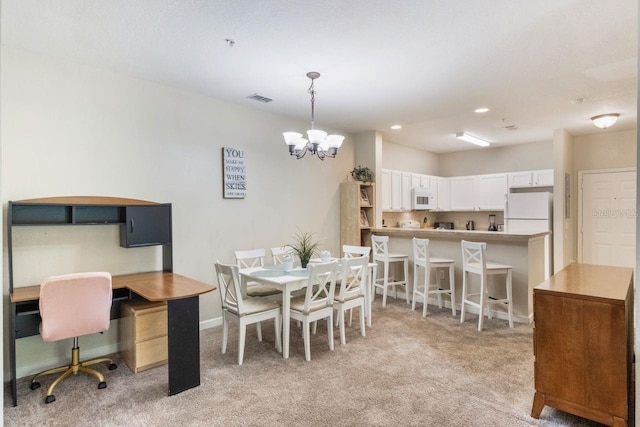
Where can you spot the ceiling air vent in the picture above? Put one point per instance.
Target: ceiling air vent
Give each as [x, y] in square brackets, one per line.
[510, 127]
[259, 98]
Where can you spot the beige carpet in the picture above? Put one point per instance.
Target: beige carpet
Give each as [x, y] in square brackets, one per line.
[408, 370]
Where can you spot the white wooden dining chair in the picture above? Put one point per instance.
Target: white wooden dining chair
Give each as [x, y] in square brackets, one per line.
[317, 302]
[255, 258]
[350, 251]
[243, 310]
[349, 296]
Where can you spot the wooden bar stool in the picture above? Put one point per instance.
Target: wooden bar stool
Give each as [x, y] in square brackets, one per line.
[422, 259]
[473, 261]
[381, 254]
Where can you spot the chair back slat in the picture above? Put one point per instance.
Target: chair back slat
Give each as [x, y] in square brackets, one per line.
[279, 252]
[321, 286]
[353, 277]
[473, 253]
[251, 258]
[355, 251]
[379, 246]
[421, 250]
[229, 285]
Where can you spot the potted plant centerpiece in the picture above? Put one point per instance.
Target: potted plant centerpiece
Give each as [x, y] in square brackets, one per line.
[305, 246]
[363, 174]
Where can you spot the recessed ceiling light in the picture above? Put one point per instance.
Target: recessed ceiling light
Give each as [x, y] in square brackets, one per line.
[396, 127]
[578, 101]
[481, 110]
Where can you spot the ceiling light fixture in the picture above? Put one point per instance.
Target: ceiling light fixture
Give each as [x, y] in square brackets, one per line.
[396, 127]
[603, 121]
[472, 139]
[319, 142]
[481, 110]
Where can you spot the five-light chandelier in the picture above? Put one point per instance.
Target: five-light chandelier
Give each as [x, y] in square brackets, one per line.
[319, 143]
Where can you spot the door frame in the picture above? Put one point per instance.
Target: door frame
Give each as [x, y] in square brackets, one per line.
[581, 200]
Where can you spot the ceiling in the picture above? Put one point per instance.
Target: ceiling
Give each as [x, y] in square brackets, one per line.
[424, 64]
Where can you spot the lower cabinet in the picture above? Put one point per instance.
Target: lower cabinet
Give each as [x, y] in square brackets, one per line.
[143, 333]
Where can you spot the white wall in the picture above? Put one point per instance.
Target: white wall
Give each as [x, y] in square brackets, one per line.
[604, 149]
[513, 158]
[408, 159]
[70, 129]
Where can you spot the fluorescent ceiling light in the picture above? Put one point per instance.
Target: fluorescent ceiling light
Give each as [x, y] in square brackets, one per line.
[481, 110]
[396, 127]
[472, 139]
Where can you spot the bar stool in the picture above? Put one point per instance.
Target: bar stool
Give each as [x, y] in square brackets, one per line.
[473, 261]
[381, 254]
[422, 259]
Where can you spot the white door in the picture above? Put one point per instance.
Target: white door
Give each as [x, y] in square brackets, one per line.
[608, 228]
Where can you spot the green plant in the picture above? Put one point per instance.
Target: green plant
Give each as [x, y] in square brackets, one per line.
[363, 174]
[305, 246]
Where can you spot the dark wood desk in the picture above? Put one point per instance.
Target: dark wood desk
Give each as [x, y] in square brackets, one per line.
[181, 294]
[141, 223]
[583, 343]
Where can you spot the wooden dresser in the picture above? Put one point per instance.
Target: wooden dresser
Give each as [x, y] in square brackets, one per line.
[583, 343]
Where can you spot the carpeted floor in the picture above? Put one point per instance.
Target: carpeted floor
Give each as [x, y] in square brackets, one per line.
[408, 370]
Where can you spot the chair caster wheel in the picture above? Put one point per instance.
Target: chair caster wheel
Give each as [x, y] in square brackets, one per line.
[35, 385]
[113, 366]
[102, 385]
[50, 398]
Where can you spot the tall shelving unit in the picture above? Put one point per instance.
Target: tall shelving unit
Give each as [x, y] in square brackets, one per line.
[357, 212]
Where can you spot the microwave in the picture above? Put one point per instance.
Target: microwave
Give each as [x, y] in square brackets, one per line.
[422, 199]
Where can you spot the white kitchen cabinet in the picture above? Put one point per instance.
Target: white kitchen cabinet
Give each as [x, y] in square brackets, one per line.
[463, 193]
[420, 180]
[537, 178]
[396, 190]
[386, 190]
[491, 191]
[405, 199]
[443, 194]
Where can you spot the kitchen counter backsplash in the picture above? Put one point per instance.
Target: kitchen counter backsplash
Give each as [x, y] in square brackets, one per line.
[459, 219]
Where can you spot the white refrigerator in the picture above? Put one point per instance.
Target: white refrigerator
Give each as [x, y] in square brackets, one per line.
[531, 213]
[528, 212]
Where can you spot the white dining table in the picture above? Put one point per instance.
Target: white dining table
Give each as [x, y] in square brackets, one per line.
[288, 281]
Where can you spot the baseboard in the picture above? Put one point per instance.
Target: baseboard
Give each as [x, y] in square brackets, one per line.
[210, 323]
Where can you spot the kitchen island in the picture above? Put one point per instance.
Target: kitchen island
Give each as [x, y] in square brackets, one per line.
[528, 254]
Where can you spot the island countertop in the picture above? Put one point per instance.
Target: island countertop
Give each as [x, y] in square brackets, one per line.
[458, 234]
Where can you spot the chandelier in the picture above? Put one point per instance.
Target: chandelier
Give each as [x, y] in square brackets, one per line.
[319, 143]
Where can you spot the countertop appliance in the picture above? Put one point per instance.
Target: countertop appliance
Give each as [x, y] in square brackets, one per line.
[443, 225]
[408, 223]
[422, 199]
[528, 212]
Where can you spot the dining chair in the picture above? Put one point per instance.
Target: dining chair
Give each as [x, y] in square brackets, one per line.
[317, 302]
[74, 305]
[279, 252]
[349, 296]
[255, 258]
[243, 310]
[350, 251]
[423, 259]
[381, 254]
[474, 262]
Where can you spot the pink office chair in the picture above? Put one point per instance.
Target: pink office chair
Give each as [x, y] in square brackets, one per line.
[70, 306]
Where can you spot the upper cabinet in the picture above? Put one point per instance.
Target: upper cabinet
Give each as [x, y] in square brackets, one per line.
[386, 190]
[492, 189]
[478, 192]
[443, 198]
[396, 188]
[146, 226]
[537, 178]
[405, 199]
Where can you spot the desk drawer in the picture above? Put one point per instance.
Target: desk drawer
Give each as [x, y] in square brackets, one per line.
[144, 334]
[146, 355]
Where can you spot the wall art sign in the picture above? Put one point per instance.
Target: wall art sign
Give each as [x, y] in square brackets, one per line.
[234, 173]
